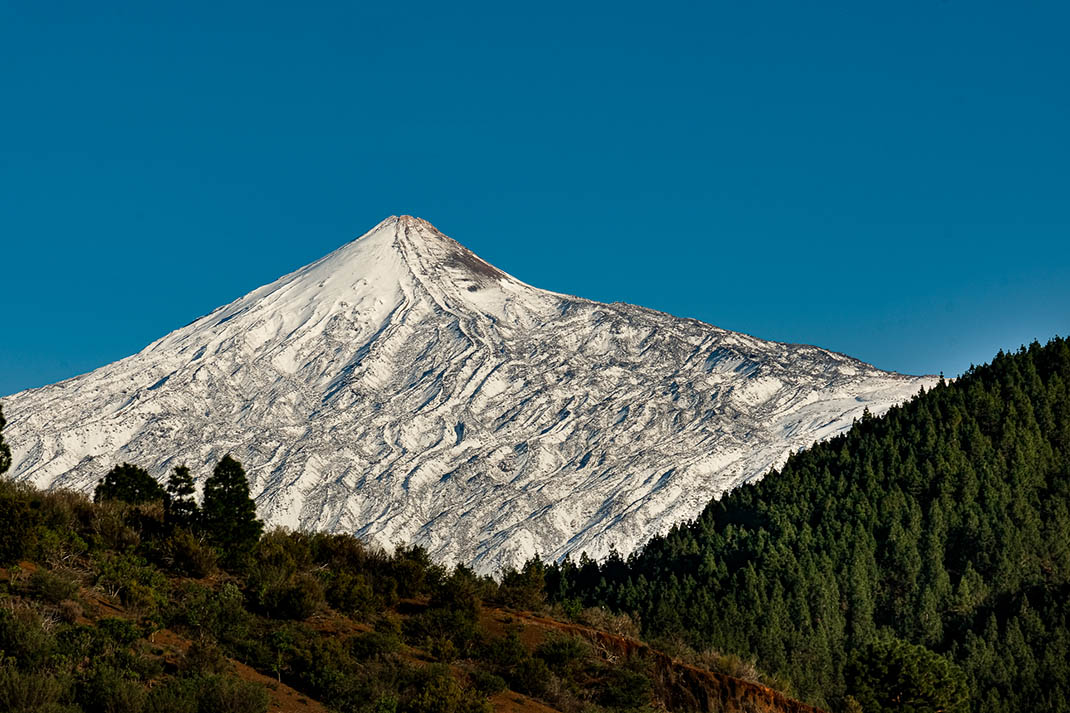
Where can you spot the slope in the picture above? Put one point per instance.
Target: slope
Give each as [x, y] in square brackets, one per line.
[941, 527]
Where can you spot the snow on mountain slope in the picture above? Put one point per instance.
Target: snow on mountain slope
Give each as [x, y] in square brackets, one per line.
[405, 390]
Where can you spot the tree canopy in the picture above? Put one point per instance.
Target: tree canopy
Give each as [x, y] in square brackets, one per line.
[228, 514]
[129, 484]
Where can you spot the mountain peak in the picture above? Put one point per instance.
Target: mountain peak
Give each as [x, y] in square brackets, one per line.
[403, 389]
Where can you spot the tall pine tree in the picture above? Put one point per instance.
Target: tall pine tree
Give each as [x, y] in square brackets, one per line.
[228, 514]
[179, 506]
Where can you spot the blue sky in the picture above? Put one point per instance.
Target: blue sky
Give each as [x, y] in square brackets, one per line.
[886, 180]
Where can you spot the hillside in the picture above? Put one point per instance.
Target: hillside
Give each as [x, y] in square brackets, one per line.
[114, 607]
[918, 562]
[404, 390]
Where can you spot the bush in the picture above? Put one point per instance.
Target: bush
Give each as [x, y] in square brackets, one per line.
[23, 639]
[563, 653]
[487, 683]
[221, 614]
[184, 554]
[173, 696]
[140, 586]
[52, 586]
[372, 645]
[227, 694]
[350, 594]
[107, 690]
[204, 657]
[625, 687]
[31, 692]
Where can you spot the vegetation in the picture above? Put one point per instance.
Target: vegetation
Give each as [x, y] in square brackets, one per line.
[130, 484]
[144, 604]
[918, 562]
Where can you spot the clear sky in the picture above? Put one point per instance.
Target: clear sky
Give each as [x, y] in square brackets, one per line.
[889, 180]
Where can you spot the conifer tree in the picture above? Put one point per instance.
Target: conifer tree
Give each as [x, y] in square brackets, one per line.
[180, 508]
[5, 452]
[228, 514]
[129, 484]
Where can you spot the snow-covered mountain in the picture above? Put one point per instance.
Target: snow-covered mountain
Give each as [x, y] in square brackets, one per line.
[405, 390]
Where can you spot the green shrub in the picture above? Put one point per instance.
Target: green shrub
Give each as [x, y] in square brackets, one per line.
[120, 631]
[221, 614]
[625, 687]
[226, 694]
[563, 653]
[350, 594]
[372, 644]
[186, 555]
[22, 692]
[107, 689]
[487, 683]
[52, 586]
[174, 695]
[140, 586]
[23, 639]
[204, 657]
[523, 589]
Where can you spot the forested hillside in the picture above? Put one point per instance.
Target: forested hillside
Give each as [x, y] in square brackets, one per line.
[919, 562]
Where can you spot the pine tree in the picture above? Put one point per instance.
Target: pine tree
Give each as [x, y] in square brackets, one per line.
[179, 506]
[129, 484]
[228, 514]
[5, 452]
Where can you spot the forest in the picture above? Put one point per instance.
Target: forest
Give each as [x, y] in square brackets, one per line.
[920, 561]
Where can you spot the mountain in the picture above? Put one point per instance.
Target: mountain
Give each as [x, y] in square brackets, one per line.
[405, 390]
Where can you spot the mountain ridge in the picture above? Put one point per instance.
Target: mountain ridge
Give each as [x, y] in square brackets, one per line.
[404, 389]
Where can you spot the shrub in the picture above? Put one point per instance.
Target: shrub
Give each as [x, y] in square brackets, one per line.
[487, 683]
[173, 696]
[350, 594]
[204, 657]
[298, 599]
[140, 586]
[563, 653]
[120, 631]
[23, 639]
[219, 613]
[70, 611]
[624, 687]
[189, 556]
[106, 690]
[22, 692]
[372, 644]
[523, 589]
[226, 694]
[52, 586]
